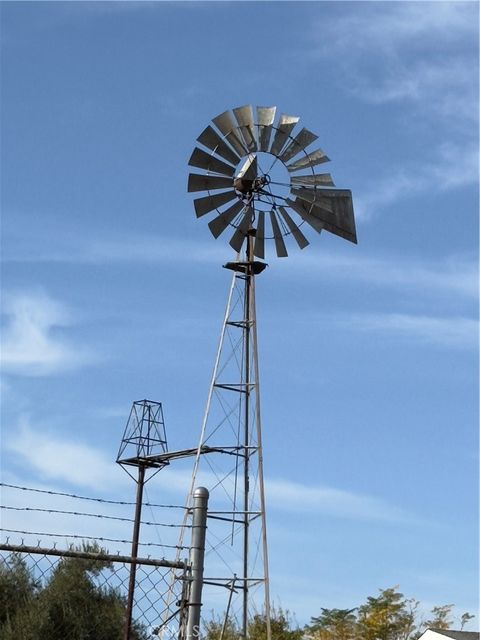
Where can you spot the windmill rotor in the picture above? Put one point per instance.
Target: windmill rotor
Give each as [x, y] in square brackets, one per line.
[259, 179]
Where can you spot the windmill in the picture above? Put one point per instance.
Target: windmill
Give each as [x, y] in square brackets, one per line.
[259, 183]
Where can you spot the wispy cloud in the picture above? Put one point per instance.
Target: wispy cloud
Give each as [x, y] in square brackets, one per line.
[31, 343]
[450, 332]
[130, 248]
[422, 56]
[453, 167]
[61, 459]
[58, 459]
[321, 500]
[407, 64]
[454, 275]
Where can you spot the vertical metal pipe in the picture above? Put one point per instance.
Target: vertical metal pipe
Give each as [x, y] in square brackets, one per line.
[258, 421]
[247, 321]
[197, 555]
[135, 538]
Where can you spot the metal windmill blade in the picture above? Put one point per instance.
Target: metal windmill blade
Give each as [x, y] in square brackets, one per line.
[285, 126]
[210, 139]
[265, 120]
[203, 160]
[299, 143]
[244, 117]
[235, 169]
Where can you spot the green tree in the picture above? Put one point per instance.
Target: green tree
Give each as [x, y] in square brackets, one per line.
[333, 624]
[389, 616]
[441, 617]
[217, 628]
[69, 605]
[465, 618]
[17, 587]
[281, 624]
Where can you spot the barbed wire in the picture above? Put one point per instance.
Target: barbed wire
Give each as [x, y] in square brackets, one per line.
[104, 500]
[98, 538]
[91, 515]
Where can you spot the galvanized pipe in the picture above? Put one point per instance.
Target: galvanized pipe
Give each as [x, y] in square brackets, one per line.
[135, 539]
[197, 556]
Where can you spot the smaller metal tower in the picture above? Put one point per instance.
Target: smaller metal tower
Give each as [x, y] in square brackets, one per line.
[144, 438]
[143, 443]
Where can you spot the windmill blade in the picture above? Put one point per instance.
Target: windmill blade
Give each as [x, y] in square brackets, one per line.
[210, 138]
[277, 235]
[244, 116]
[294, 229]
[219, 224]
[285, 126]
[321, 179]
[224, 122]
[240, 234]
[203, 160]
[299, 143]
[259, 246]
[206, 204]
[265, 118]
[309, 160]
[198, 182]
[303, 210]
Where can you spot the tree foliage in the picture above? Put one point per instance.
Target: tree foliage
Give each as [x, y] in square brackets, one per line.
[334, 624]
[387, 616]
[441, 617]
[69, 605]
[281, 624]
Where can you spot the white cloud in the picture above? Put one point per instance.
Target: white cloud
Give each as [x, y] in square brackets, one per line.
[390, 52]
[397, 24]
[454, 167]
[59, 459]
[455, 275]
[455, 332]
[321, 500]
[31, 344]
[156, 249]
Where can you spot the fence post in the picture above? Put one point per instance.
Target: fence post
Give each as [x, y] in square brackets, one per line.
[197, 555]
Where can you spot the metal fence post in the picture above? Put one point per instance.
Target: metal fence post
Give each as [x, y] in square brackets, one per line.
[197, 555]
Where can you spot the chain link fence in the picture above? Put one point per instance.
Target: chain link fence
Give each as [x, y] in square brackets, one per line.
[80, 594]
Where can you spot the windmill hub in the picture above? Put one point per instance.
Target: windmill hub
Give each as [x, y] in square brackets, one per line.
[249, 187]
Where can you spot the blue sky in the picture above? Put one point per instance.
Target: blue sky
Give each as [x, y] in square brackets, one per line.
[113, 291]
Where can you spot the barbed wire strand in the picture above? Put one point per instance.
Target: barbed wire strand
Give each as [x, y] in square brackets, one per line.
[78, 537]
[103, 500]
[91, 515]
